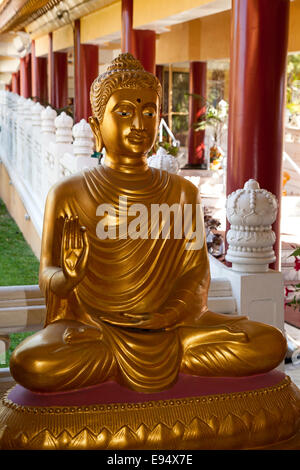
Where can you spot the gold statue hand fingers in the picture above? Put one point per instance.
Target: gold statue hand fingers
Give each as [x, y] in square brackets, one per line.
[73, 232]
[84, 241]
[118, 321]
[137, 316]
[85, 248]
[155, 321]
[226, 333]
[65, 236]
[76, 233]
[81, 334]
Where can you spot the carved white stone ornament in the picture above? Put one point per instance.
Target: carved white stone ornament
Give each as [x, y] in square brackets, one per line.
[21, 107]
[36, 115]
[28, 110]
[162, 160]
[83, 139]
[48, 117]
[64, 124]
[251, 212]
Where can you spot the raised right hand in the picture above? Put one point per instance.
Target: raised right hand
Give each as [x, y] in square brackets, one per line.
[74, 250]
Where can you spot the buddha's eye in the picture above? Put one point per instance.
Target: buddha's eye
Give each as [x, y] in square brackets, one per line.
[124, 113]
[124, 110]
[149, 113]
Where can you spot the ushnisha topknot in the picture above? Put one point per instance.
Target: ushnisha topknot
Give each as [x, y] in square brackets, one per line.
[125, 71]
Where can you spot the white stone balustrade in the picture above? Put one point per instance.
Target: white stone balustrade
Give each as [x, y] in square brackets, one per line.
[38, 148]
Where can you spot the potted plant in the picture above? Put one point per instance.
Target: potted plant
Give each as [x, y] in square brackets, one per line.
[214, 117]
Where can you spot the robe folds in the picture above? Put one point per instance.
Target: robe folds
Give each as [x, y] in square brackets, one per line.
[130, 275]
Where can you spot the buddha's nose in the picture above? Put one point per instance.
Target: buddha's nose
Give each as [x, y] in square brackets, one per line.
[137, 121]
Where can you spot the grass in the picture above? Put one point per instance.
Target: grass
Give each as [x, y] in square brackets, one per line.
[18, 265]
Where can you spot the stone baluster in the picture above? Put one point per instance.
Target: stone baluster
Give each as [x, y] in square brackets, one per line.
[21, 107]
[258, 291]
[64, 141]
[82, 150]
[36, 120]
[251, 212]
[63, 124]
[36, 117]
[21, 134]
[48, 116]
[28, 111]
[28, 136]
[83, 139]
[48, 127]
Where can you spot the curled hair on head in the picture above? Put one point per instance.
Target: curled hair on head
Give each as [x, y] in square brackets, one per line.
[124, 72]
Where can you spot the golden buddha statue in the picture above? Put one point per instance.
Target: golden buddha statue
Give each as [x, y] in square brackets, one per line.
[132, 310]
[130, 356]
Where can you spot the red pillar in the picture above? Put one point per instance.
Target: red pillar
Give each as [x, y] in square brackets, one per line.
[77, 68]
[60, 79]
[58, 76]
[38, 76]
[25, 76]
[196, 109]
[51, 89]
[159, 72]
[127, 37]
[86, 64]
[144, 48]
[257, 97]
[89, 71]
[15, 83]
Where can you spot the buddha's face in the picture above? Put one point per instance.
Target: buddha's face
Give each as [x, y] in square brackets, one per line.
[130, 122]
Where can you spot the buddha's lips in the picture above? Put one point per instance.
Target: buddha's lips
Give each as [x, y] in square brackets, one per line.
[137, 136]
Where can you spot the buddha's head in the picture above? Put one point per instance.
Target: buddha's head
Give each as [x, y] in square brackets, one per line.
[125, 103]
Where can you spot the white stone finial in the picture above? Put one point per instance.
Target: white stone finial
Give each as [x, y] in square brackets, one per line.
[251, 184]
[36, 118]
[251, 212]
[83, 139]
[48, 116]
[28, 110]
[162, 160]
[21, 106]
[63, 124]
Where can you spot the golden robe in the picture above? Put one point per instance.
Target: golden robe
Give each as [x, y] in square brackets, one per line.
[134, 276]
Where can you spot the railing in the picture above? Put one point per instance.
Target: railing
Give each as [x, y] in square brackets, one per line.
[39, 148]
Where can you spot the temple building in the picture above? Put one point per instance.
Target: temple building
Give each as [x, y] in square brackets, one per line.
[229, 115]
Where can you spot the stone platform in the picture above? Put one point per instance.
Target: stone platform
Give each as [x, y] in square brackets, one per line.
[257, 412]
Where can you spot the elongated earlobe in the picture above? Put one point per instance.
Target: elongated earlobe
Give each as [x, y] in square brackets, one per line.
[95, 126]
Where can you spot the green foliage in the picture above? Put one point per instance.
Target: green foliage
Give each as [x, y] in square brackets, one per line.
[295, 302]
[18, 265]
[213, 116]
[296, 252]
[15, 339]
[180, 97]
[171, 149]
[293, 84]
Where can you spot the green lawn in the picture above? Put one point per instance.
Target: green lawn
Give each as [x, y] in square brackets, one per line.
[18, 264]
